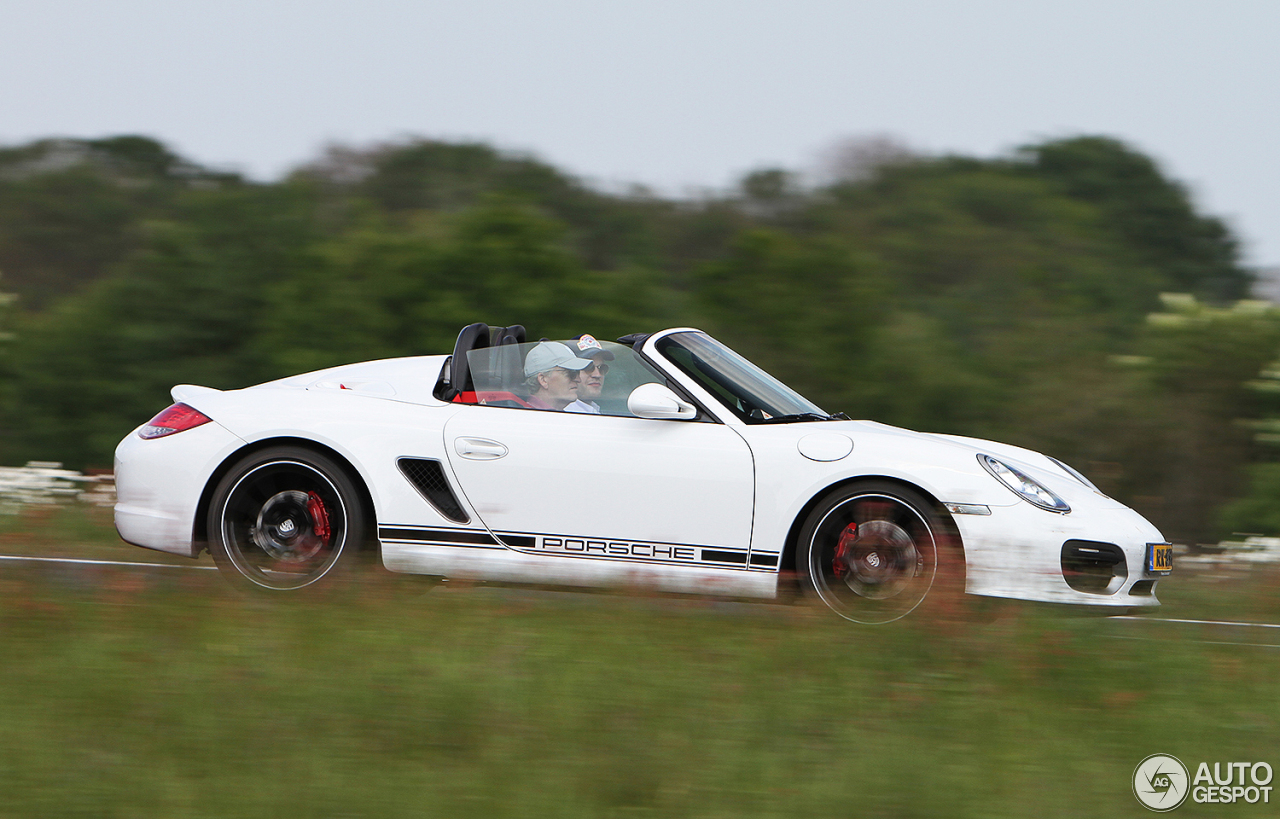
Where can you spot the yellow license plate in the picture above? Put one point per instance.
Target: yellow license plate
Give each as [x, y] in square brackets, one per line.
[1159, 558]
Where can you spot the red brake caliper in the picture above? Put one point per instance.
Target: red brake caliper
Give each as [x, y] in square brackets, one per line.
[319, 516]
[847, 537]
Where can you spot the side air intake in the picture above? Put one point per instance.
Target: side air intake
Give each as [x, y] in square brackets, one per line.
[427, 477]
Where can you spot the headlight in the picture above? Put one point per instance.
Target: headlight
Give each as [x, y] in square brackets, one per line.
[1024, 487]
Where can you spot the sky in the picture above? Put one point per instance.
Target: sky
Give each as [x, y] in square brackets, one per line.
[682, 96]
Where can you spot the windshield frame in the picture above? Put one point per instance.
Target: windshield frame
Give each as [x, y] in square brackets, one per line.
[746, 391]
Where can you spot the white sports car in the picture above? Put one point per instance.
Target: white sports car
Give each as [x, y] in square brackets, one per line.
[665, 459]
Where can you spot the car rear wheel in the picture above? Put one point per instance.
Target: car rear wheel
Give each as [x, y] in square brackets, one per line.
[873, 551]
[283, 519]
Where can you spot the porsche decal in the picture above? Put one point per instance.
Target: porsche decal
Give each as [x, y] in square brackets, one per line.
[613, 548]
[568, 546]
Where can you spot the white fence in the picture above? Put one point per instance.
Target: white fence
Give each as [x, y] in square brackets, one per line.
[1250, 550]
[41, 483]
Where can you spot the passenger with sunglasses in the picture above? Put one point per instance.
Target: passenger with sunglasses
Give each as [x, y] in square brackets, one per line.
[551, 375]
[591, 378]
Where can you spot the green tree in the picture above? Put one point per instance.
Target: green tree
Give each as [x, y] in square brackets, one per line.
[185, 308]
[1151, 213]
[1183, 451]
[72, 209]
[6, 304]
[1001, 295]
[805, 311]
[390, 288]
[6, 362]
[406, 179]
[1257, 510]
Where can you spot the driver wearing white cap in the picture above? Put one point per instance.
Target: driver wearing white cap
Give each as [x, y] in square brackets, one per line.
[551, 375]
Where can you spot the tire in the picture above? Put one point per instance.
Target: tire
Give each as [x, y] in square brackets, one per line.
[283, 519]
[874, 550]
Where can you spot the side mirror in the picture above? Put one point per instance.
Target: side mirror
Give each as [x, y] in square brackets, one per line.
[657, 401]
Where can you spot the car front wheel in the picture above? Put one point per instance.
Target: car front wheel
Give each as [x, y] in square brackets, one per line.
[872, 551]
[284, 518]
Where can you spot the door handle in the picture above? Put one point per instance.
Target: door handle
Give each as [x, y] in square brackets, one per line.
[479, 449]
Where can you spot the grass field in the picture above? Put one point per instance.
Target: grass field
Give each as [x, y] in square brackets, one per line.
[164, 694]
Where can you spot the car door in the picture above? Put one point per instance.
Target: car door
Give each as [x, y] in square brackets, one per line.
[606, 487]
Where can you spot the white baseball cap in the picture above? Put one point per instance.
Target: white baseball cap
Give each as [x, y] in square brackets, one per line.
[551, 354]
[588, 347]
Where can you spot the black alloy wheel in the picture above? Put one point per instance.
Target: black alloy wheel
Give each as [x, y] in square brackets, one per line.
[284, 518]
[872, 552]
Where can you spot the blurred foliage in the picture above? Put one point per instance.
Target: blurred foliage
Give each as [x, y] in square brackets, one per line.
[1004, 298]
[1257, 510]
[1151, 214]
[6, 304]
[7, 372]
[1180, 430]
[70, 210]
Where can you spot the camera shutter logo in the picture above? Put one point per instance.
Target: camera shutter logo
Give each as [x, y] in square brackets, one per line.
[1161, 782]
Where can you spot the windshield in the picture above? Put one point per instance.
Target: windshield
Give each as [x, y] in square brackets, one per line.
[751, 393]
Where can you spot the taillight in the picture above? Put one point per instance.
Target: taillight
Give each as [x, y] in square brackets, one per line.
[177, 418]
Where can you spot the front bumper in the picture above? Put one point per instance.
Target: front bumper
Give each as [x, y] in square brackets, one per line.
[1018, 552]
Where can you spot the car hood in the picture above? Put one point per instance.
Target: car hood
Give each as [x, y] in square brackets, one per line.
[957, 453]
[978, 446]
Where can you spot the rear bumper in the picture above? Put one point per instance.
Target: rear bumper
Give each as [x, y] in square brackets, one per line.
[159, 484]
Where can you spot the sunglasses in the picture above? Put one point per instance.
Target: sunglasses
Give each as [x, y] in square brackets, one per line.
[601, 368]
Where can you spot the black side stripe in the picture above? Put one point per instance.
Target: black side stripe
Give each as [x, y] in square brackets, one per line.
[461, 538]
[739, 558]
[437, 536]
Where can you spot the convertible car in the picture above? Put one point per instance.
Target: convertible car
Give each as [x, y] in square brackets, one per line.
[663, 459]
